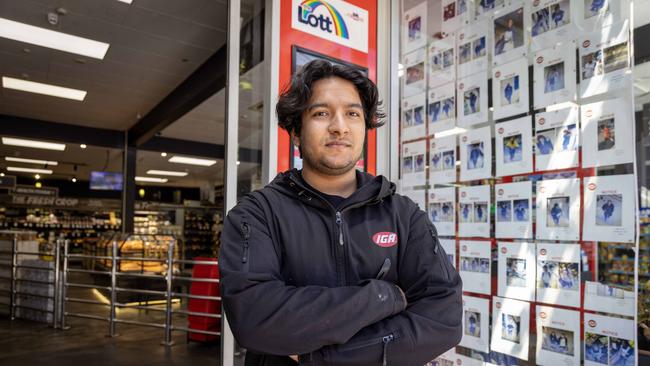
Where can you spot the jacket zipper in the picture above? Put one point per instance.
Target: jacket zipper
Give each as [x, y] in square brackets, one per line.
[245, 230]
[338, 223]
[387, 339]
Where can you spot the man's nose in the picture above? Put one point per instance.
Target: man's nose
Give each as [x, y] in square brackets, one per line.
[339, 124]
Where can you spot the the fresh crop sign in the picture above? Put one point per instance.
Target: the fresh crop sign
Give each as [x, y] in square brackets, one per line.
[334, 20]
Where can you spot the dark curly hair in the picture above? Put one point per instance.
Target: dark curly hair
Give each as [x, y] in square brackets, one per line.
[293, 99]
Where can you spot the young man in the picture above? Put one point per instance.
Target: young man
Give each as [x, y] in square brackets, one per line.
[328, 265]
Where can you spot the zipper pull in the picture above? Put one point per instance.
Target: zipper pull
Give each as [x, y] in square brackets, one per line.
[387, 339]
[338, 222]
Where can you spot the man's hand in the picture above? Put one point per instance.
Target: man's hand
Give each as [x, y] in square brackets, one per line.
[294, 357]
[403, 294]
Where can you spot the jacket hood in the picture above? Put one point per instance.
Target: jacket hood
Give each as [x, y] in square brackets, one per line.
[371, 189]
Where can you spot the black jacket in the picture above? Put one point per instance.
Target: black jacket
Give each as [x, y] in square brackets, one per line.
[299, 277]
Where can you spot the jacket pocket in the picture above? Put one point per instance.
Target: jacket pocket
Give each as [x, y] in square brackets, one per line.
[439, 254]
[245, 234]
[375, 341]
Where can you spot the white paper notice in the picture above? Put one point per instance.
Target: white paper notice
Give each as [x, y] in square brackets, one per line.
[513, 210]
[472, 100]
[558, 337]
[455, 14]
[558, 209]
[413, 116]
[476, 323]
[609, 208]
[510, 32]
[605, 60]
[608, 299]
[486, 8]
[442, 203]
[449, 245]
[474, 211]
[446, 359]
[474, 266]
[472, 44]
[442, 153]
[414, 32]
[609, 341]
[552, 21]
[510, 320]
[599, 13]
[476, 154]
[441, 110]
[558, 274]
[555, 75]
[415, 81]
[510, 88]
[557, 139]
[419, 196]
[516, 276]
[442, 62]
[413, 162]
[514, 150]
[607, 133]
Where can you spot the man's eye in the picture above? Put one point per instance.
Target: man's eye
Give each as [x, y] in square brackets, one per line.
[355, 114]
[320, 114]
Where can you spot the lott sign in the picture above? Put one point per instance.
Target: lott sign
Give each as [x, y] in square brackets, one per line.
[333, 20]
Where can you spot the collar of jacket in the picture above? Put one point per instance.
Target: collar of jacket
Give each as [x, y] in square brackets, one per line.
[371, 190]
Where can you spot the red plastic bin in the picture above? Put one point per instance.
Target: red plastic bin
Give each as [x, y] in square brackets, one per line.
[204, 306]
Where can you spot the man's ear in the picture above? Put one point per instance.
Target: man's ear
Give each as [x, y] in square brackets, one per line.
[295, 139]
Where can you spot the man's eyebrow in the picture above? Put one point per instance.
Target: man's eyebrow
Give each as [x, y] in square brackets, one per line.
[318, 105]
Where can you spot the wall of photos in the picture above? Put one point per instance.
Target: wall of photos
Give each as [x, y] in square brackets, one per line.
[517, 136]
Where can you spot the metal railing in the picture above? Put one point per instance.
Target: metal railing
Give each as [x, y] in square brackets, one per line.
[169, 294]
[18, 281]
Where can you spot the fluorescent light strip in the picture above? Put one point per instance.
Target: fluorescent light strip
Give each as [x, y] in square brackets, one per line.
[167, 172]
[28, 170]
[192, 161]
[126, 1]
[51, 39]
[45, 89]
[453, 131]
[151, 179]
[31, 161]
[33, 143]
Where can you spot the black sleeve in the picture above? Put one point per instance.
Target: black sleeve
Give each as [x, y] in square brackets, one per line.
[270, 317]
[430, 325]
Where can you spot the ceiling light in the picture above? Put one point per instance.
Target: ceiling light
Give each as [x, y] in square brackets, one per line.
[125, 1]
[37, 176]
[33, 143]
[83, 146]
[163, 154]
[38, 185]
[45, 89]
[74, 180]
[167, 172]
[453, 131]
[28, 170]
[192, 161]
[51, 39]
[2, 174]
[151, 179]
[31, 161]
[238, 162]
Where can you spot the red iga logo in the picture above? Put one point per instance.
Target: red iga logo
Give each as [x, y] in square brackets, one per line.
[542, 189]
[542, 315]
[536, 2]
[542, 251]
[498, 305]
[462, 36]
[501, 131]
[461, 86]
[586, 44]
[540, 59]
[464, 194]
[385, 239]
[504, 250]
[592, 323]
[542, 120]
[500, 191]
[497, 74]
[464, 138]
[591, 186]
[589, 113]
[464, 248]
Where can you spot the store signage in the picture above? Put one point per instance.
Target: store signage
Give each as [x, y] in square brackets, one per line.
[33, 191]
[334, 20]
[7, 182]
[45, 201]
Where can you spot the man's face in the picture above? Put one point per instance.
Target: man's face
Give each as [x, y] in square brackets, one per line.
[333, 127]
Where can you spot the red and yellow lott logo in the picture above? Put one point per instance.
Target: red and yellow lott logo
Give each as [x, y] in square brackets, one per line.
[385, 239]
[504, 250]
[540, 59]
[591, 186]
[592, 323]
[541, 121]
[542, 315]
[542, 251]
[586, 44]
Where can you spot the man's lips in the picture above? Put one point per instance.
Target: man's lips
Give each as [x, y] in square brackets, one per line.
[338, 143]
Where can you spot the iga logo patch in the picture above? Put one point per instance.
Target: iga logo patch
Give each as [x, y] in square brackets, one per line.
[385, 239]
